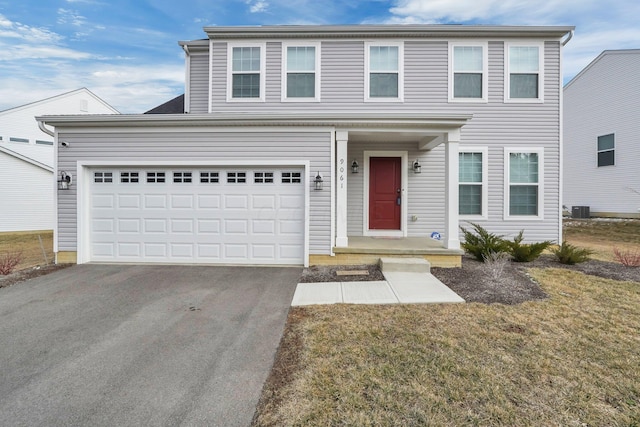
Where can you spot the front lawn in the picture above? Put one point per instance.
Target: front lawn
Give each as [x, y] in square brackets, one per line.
[571, 359]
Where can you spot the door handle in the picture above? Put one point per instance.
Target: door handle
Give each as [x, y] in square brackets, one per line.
[398, 201]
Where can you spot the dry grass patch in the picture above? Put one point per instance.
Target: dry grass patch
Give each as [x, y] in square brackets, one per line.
[29, 244]
[602, 235]
[570, 360]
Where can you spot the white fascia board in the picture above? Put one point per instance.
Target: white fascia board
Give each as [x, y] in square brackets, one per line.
[26, 159]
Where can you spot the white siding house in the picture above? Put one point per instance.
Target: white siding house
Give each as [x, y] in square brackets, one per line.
[298, 143]
[602, 136]
[27, 159]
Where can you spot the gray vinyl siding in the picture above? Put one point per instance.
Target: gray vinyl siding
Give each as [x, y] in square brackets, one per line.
[603, 99]
[199, 83]
[495, 124]
[177, 145]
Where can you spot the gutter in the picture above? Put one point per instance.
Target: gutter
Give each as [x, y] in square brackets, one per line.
[569, 37]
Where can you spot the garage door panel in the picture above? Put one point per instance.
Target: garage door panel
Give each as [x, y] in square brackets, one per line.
[250, 222]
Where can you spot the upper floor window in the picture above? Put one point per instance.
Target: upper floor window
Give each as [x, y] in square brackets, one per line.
[524, 76]
[384, 72]
[524, 185]
[246, 77]
[300, 77]
[468, 72]
[472, 192]
[606, 150]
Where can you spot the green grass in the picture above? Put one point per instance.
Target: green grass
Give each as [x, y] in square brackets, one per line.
[570, 360]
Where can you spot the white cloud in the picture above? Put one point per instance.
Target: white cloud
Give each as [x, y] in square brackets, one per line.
[71, 17]
[258, 6]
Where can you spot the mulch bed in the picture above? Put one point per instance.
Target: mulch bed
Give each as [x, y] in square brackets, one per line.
[474, 283]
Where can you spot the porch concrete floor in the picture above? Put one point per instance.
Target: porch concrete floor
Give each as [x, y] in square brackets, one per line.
[396, 245]
[399, 288]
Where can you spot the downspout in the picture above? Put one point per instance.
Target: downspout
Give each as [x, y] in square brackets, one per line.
[44, 129]
[561, 147]
[187, 79]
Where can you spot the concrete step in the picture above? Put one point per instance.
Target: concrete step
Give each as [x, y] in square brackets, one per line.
[405, 265]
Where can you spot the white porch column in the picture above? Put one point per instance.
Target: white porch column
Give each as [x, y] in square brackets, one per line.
[452, 149]
[342, 137]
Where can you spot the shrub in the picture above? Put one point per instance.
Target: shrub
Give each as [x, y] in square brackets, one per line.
[494, 265]
[9, 261]
[526, 252]
[569, 254]
[627, 258]
[480, 243]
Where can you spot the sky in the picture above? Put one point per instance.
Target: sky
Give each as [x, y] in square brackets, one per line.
[127, 52]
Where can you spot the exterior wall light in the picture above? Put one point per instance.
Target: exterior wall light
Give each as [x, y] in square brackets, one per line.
[65, 181]
[318, 182]
[354, 166]
[416, 167]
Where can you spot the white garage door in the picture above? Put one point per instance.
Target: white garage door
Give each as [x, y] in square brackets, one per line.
[204, 215]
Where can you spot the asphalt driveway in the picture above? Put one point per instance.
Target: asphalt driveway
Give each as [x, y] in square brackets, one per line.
[140, 345]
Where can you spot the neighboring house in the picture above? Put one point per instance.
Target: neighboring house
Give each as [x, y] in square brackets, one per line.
[443, 124]
[601, 154]
[27, 159]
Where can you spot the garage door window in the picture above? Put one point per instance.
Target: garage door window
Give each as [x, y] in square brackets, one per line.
[129, 177]
[182, 177]
[209, 177]
[236, 177]
[155, 177]
[263, 177]
[102, 177]
[291, 177]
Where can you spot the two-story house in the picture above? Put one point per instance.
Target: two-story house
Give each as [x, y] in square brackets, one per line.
[324, 144]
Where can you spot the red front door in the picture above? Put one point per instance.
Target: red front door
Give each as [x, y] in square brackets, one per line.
[384, 193]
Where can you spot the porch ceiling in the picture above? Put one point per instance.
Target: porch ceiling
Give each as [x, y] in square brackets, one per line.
[426, 140]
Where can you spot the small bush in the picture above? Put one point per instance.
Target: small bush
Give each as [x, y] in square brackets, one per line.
[627, 258]
[480, 243]
[9, 261]
[569, 254]
[526, 252]
[494, 265]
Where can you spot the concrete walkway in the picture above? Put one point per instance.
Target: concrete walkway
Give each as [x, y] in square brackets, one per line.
[398, 288]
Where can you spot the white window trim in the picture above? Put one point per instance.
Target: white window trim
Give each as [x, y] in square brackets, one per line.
[485, 71]
[284, 97]
[602, 151]
[263, 56]
[507, 193]
[507, 73]
[367, 83]
[485, 193]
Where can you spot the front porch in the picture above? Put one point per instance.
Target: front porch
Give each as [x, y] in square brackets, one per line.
[369, 250]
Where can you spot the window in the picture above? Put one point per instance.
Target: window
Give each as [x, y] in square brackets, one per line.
[182, 177]
[606, 150]
[155, 177]
[384, 64]
[14, 139]
[209, 177]
[524, 75]
[472, 192]
[246, 77]
[263, 177]
[129, 177]
[102, 177]
[291, 177]
[40, 142]
[300, 78]
[468, 72]
[236, 177]
[524, 182]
